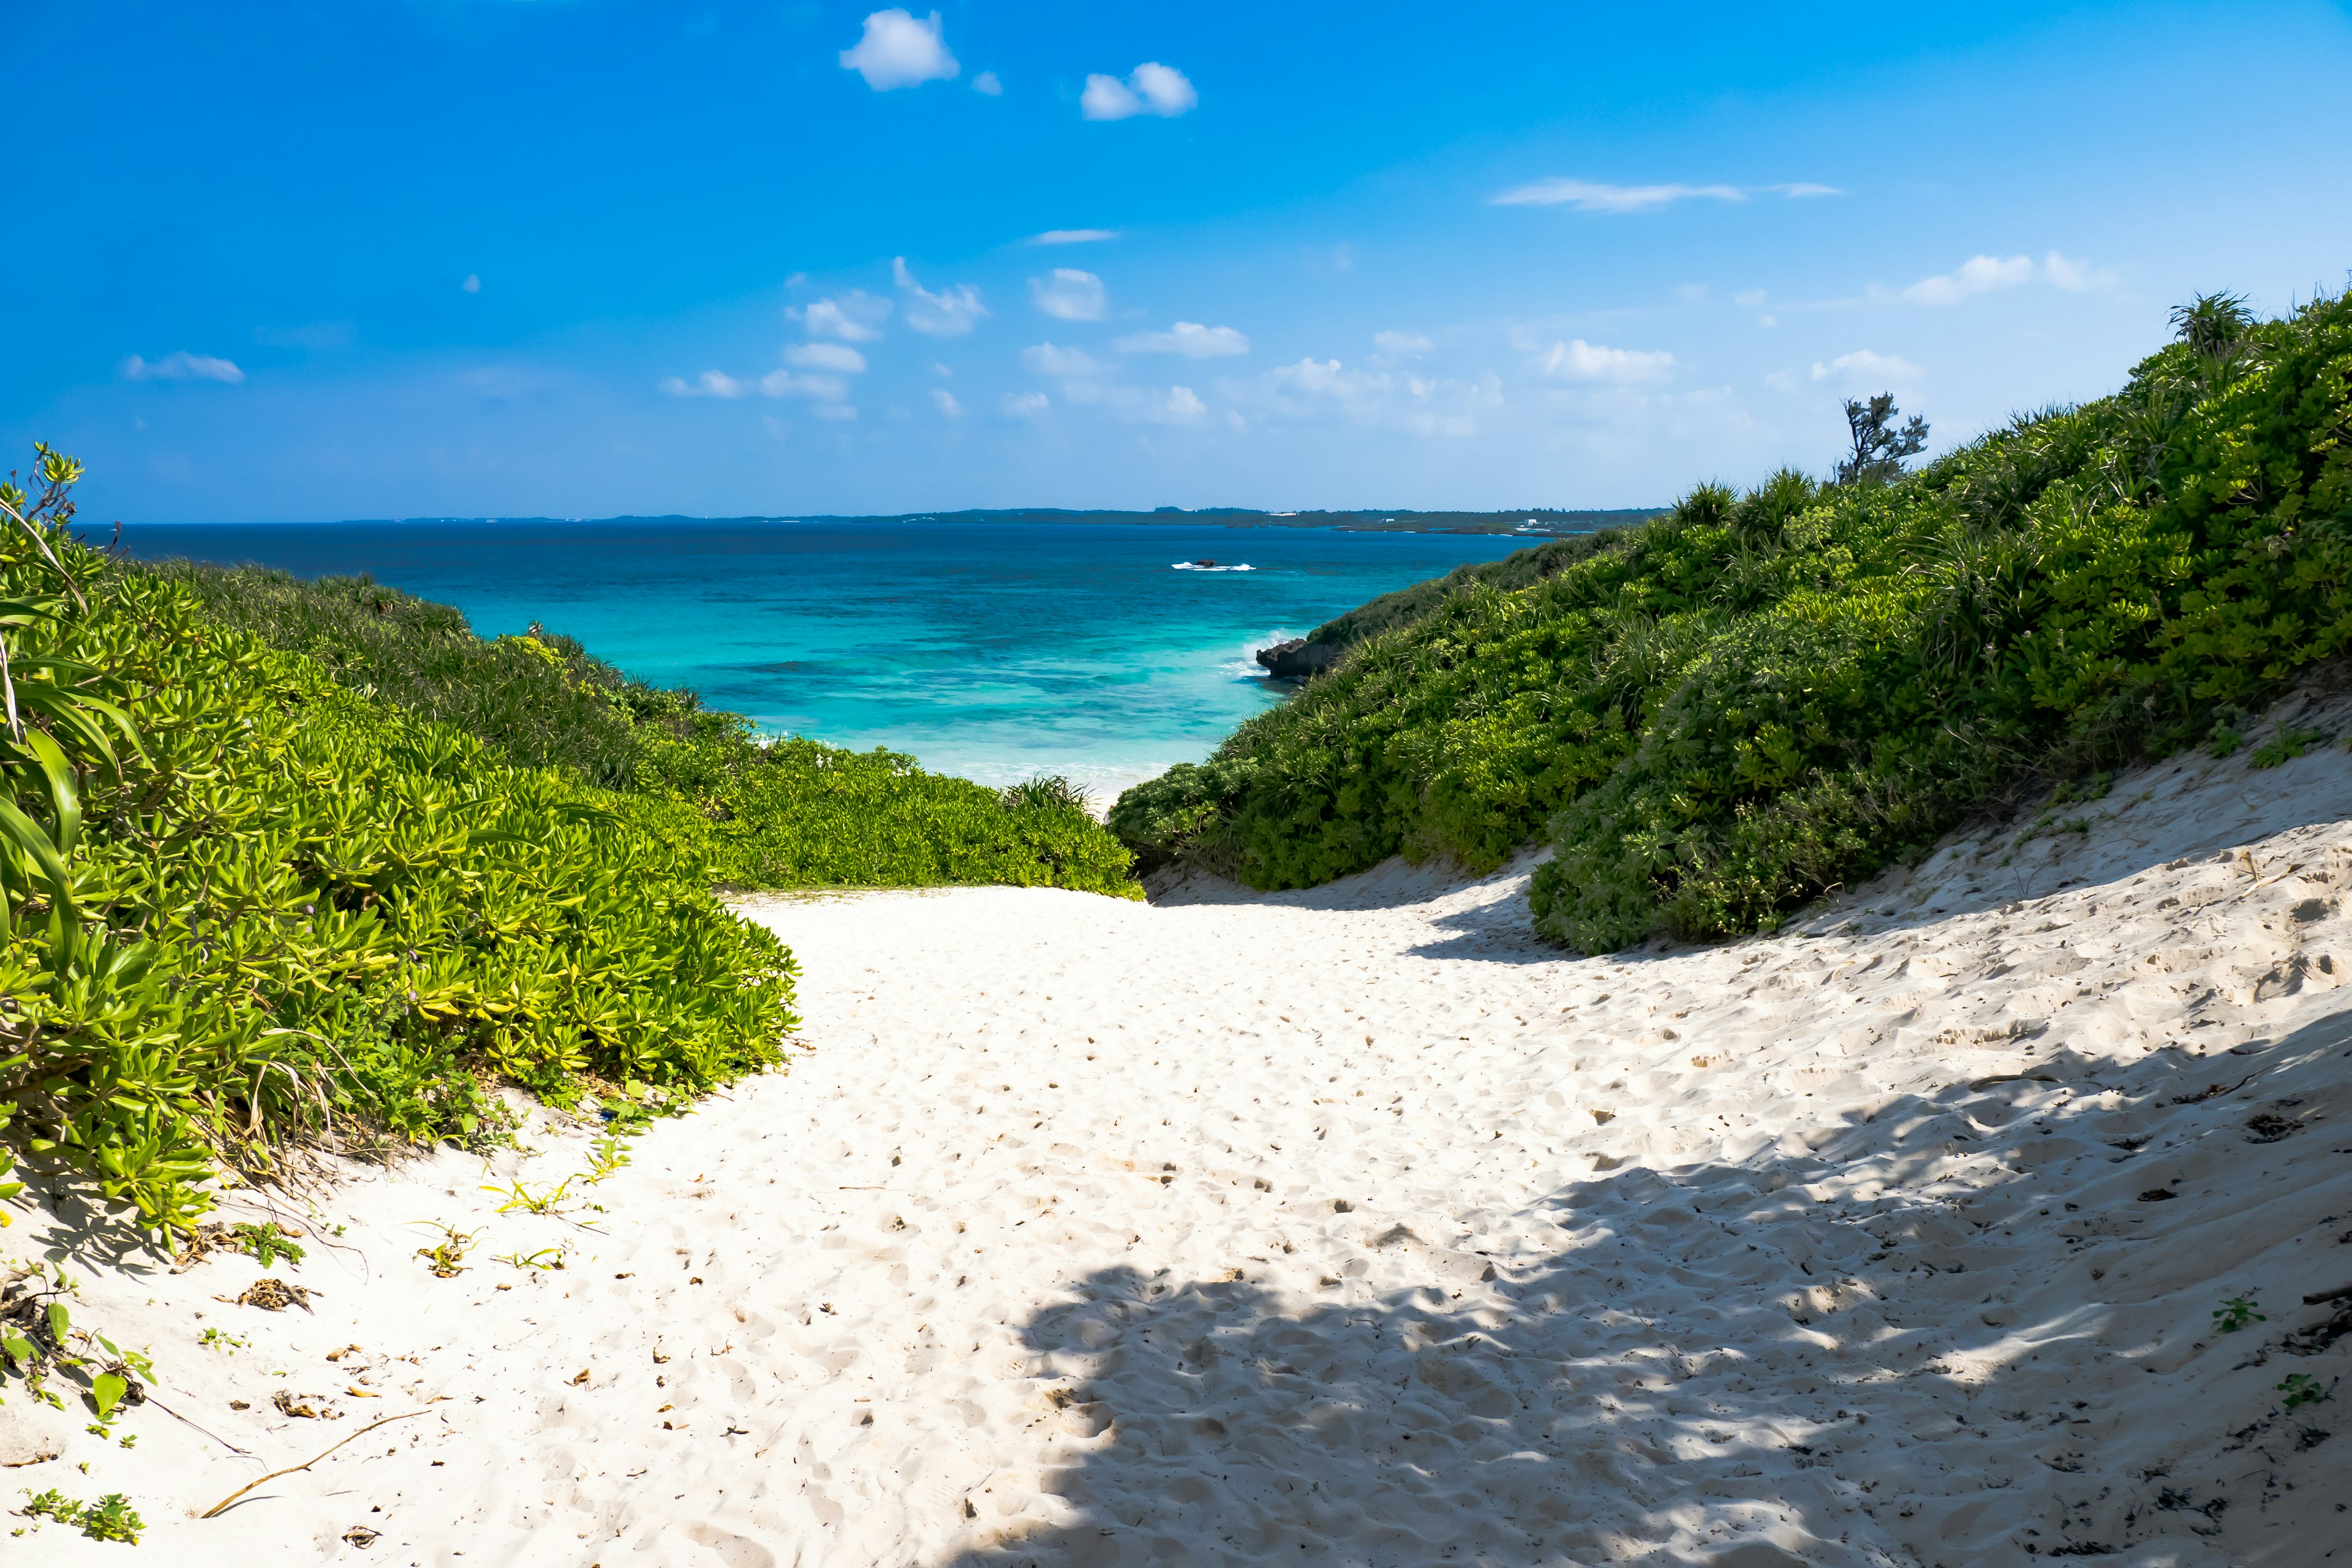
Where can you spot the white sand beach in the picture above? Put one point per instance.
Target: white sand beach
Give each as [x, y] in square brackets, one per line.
[1355, 1227]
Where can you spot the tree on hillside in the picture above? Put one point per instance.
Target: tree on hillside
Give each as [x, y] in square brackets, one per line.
[1879, 447]
[2212, 324]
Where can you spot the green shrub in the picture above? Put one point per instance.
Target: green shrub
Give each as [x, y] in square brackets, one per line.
[752, 815]
[1718, 715]
[245, 907]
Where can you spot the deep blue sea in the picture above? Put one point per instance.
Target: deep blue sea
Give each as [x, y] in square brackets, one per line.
[995, 650]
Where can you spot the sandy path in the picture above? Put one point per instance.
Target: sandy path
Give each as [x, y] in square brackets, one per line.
[1356, 1228]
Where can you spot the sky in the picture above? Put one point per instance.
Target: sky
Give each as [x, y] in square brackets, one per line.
[288, 261]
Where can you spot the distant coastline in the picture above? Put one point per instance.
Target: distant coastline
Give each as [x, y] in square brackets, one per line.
[1532, 522]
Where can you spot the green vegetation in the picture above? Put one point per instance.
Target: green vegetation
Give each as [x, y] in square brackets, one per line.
[786, 813]
[243, 908]
[1719, 715]
[110, 1517]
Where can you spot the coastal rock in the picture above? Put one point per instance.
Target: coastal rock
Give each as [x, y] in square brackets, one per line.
[1297, 658]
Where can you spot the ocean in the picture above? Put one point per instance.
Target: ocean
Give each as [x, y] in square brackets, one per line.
[995, 650]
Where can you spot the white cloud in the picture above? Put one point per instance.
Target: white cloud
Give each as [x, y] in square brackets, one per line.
[834, 411]
[1419, 405]
[1134, 405]
[1977, 274]
[1024, 404]
[1190, 338]
[946, 402]
[1588, 196]
[817, 388]
[949, 313]
[1864, 366]
[1749, 299]
[473, 283]
[825, 356]
[182, 366]
[1691, 293]
[986, 83]
[1151, 89]
[709, 383]
[2077, 277]
[899, 50]
[1073, 236]
[1045, 359]
[1577, 360]
[855, 316]
[1804, 188]
[1070, 295]
[1401, 342]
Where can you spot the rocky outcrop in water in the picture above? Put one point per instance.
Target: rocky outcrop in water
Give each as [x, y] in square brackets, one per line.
[1298, 659]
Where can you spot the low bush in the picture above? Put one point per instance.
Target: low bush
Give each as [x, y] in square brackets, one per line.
[753, 815]
[246, 909]
[1721, 714]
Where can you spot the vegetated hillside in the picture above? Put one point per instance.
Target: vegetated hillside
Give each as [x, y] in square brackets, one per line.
[1718, 715]
[786, 813]
[1514, 570]
[248, 910]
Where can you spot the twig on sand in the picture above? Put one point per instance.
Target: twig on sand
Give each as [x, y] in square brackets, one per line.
[289, 1469]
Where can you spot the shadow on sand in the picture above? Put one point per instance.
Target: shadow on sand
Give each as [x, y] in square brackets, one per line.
[1959, 1330]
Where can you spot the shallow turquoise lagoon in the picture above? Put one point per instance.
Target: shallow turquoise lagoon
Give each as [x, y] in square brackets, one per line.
[994, 650]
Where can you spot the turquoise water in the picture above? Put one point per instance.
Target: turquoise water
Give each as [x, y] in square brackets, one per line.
[994, 650]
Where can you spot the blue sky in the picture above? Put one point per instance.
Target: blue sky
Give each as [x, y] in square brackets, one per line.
[405, 257]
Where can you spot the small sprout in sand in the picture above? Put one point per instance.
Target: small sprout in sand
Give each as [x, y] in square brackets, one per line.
[519, 1196]
[607, 1155]
[223, 1341]
[2301, 1388]
[447, 1259]
[2236, 1313]
[545, 1258]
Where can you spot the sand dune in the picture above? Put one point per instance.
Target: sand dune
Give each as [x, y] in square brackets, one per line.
[1356, 1226]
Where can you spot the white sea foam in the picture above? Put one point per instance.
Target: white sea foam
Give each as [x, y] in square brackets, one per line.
[1196, 566]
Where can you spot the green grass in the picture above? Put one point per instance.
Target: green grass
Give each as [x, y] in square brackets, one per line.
[1719, 715]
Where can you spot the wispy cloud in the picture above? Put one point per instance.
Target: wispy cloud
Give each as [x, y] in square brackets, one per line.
[1024, 404]
[1049, 359]
[1190, 338]
[900, 50]
[1593, 196]
[949, 313]
[1151, 89]
[709, 383]
[1070, 295]
[1419, 405]
[855, 316]
[1589, 196]
[1402, 343]
[1864, 367]
[986, 83]
[825, 356]
[946, 403]
[1141, 405]
[1978, 275]
[1983, 274]
[182, 366]
[1073, 236]
[1576, 360]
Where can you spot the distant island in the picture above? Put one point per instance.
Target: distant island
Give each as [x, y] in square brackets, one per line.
[1536, 522]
